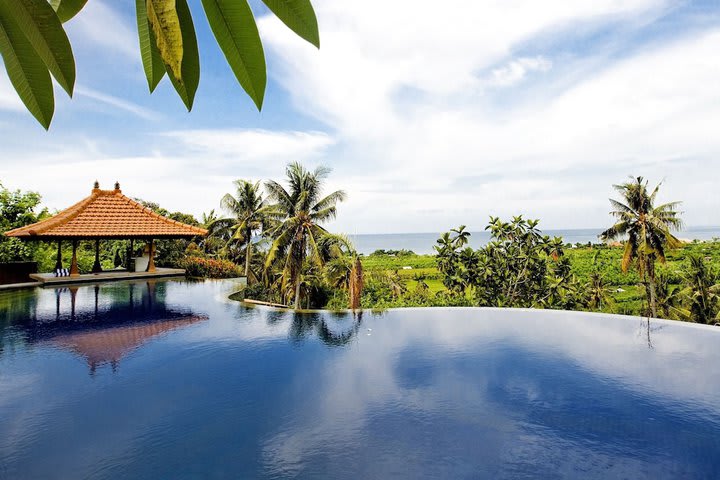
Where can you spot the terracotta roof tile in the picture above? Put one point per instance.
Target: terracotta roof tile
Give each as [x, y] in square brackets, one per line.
[107, 214]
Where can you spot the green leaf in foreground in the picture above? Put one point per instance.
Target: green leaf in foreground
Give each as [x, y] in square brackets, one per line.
[299, 16]
[165, 22]
[187, 84]
[236, 32]
[151, 59]
[41, 27]
[26, 70]
[67, 9]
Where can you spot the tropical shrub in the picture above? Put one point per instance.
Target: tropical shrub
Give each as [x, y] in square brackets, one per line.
[209, 268]
[519, 267]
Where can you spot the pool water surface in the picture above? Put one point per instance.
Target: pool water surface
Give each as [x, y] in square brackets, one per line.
[170, 379]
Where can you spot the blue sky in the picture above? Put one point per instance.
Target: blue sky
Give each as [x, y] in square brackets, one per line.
[429, 117]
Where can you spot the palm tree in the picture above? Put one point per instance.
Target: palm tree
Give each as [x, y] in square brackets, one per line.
[702, 292]
[394, 282]
[211, 244]
[647, 228]
[669, 299]
[302, 209]
[598, 294]
[249, 214]
[461, 238]
[345, 270]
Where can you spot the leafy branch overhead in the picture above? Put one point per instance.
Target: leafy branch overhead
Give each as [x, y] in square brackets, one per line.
[34, 45]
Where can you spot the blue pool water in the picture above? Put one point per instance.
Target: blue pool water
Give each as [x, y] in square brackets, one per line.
[170, 379]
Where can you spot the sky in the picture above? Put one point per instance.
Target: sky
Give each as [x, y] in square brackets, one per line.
[429, 117]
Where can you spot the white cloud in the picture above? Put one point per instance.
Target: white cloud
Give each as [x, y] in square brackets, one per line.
[100, 27]
[406, 91]
[253, 145]
[434, 116]
[183, 170]
[516, 70]
[116, 103]
[9, 99]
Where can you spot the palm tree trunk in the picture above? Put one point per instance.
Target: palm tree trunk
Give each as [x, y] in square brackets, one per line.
[650, 269]
[297, 293]
[356, 284]
[248, 253]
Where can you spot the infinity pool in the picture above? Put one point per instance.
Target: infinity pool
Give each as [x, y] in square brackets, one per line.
[170, 380]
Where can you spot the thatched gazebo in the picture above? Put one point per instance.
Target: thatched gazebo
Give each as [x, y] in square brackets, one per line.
[105, 215]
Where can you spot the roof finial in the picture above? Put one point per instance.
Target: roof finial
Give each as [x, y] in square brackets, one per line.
[117, 186]
[96, 185]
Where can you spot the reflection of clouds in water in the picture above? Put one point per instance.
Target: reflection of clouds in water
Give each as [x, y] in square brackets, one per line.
[368, 378]
[14, 388]
[409, 392]
[549, 456]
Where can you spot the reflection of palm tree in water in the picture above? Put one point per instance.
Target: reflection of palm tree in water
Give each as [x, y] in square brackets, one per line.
[306, 324]
[646, 330]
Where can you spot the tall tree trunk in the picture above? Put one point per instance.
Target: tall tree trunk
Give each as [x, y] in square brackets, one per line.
[650, 272]
[297, 293]
[248, 253]
[356, 284]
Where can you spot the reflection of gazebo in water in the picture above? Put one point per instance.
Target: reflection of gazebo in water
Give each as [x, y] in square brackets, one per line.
[108, 346]
[104, 324]
[105, 215]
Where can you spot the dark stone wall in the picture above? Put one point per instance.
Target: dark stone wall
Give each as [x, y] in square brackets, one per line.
[17, 272]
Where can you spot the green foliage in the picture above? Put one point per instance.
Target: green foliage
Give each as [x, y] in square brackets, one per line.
[67, 9]
[209, 268]
[34, 45]
[44, 31]
[28, 74]
[152, 61]
[702, 291]
[392, 253]
[233, 25]
[14, 250]
[299, 16]
[170, 253]
[188, 79]
[165, 23]
[17, 209]
[519, 267]
[249, 215]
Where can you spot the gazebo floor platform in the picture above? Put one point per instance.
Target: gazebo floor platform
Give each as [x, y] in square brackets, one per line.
[46, 279]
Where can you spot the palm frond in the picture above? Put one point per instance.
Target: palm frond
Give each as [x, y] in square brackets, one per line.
[330, 200]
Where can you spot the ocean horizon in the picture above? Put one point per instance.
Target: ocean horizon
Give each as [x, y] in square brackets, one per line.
[422, 243]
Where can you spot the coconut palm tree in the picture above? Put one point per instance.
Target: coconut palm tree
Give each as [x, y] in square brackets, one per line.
[647, 228]
[345, 269]
[702, 291]
[249, 213]
[302, 209]
[598, 293]
[670, 299]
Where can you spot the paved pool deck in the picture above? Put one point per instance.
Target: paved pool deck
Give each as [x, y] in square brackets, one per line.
[49, 279]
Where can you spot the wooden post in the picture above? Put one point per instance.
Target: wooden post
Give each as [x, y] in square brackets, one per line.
[74, 270]
[58, 261]
[97, 268]
[97, 295]
[151, 261]
[130, 253]
[73, 297]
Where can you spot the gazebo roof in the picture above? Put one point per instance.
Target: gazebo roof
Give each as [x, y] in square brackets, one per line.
[106, 214]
